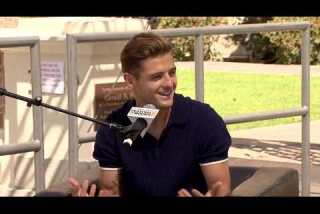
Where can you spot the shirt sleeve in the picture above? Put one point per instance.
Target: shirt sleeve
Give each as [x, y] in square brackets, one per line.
[214, 137]
[106, 151]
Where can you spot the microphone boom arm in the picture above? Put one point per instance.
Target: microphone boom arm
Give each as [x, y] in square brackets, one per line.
[37, 101]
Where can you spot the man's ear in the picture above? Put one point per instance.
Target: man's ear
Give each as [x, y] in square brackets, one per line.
[129, 78]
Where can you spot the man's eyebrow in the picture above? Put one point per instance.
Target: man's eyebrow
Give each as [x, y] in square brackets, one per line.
[157, 73]
[161, 72]
[173, 68]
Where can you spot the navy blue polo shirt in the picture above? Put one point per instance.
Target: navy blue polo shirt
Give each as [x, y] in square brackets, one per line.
[195, 135]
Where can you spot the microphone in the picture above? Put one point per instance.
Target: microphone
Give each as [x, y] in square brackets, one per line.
[141, 119]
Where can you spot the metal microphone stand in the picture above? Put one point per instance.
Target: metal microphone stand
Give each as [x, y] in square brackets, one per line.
[37, 101]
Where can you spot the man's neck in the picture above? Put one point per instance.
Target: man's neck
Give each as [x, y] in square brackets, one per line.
[160, 122]
[162, 117]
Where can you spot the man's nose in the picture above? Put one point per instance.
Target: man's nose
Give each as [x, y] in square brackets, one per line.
[168, 81]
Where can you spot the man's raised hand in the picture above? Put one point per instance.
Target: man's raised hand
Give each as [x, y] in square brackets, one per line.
[215, 190]
[81, 190]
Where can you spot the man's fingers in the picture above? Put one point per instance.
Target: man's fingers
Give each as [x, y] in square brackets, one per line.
[73, 182]
[184, 193]
[75, 186]
[105, 193]
[196, 193]
[215, 188]
[84, 188]
[92, 190]
[180, 194]
[209, 194]
[213, 191]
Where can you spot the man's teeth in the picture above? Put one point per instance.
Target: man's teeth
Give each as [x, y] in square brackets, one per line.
[165, 94]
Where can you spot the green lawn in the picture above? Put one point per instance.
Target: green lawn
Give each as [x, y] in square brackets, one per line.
[233, 94]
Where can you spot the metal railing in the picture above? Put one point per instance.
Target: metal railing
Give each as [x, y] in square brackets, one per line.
[36, 145]
[304, 110]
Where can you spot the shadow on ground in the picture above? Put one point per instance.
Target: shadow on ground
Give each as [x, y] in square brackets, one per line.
[283, 149]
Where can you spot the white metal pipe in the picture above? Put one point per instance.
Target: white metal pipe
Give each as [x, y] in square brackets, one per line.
[72, 104]
[266, 115]
[87, 138]
[12, 149]
[305, 102]
[237, 29]
[199, 73]
[10, 42]
[37, 116]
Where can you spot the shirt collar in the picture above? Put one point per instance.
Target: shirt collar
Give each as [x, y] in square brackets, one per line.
[180, 111]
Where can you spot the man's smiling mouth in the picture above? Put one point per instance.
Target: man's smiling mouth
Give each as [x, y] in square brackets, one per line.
[167, 94]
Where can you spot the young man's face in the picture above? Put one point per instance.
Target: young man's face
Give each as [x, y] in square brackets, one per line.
[156, 83]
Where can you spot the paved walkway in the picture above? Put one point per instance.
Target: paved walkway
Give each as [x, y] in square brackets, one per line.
[279, 144]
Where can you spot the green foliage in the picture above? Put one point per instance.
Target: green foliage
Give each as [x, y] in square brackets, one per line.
[184, 46]
[270, 47]
[288, 43]
[282, 47]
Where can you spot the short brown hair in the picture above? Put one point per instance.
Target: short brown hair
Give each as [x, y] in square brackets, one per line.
[141, 47]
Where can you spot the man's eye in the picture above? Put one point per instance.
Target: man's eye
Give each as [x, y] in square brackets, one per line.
[156, 77]
[172, 73]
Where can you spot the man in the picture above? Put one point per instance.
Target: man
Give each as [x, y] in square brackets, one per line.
[185, 150]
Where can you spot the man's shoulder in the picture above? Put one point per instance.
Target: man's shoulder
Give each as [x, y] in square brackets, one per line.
[196, 107]
[187, 101]
[202, 114]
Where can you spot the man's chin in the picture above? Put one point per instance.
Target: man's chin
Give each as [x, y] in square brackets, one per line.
[167, 104]
[164, 102]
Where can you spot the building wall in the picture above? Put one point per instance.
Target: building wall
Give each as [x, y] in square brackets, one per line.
[97, 63]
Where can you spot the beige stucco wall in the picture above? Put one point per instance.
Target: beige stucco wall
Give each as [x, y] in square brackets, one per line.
[97, 63]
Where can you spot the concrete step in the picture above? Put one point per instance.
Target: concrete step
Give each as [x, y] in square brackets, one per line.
[315, 189]
[12, 192]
